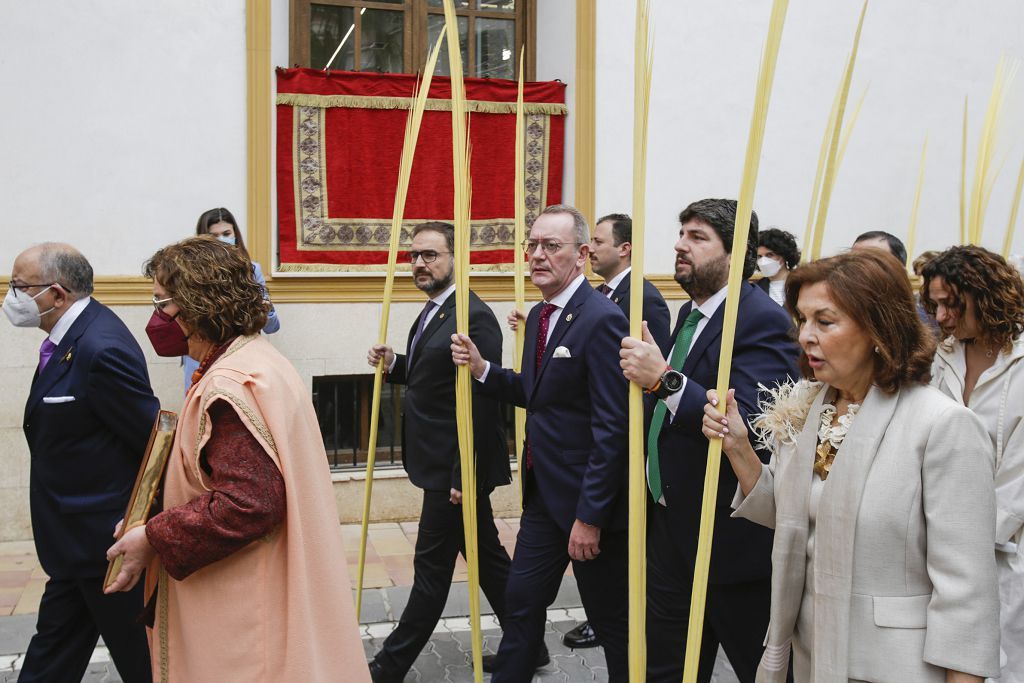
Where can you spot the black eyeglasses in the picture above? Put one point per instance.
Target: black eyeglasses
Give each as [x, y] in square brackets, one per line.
[428, 255]
[23, 286]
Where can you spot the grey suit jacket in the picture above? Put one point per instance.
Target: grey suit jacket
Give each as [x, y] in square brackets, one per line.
[904, 571]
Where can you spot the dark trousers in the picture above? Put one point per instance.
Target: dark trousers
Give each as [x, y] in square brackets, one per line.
[542, 554]
[73, 614]
[439, 542]
[735, 614]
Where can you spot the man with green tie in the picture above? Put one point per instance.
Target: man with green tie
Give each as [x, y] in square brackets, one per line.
[765, 354]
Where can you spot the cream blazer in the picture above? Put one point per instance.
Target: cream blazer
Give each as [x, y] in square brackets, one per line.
[904, 568]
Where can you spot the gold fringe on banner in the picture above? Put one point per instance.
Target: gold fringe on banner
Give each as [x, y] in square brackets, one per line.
[912, 230]
[412, 131]
[642, 65]
[368, 102]
[519, 265]
[831, 163]
[463, 378]
[744, 208]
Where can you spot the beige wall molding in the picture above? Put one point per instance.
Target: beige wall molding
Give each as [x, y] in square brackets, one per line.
[586, 94]
[128, 290]
[259, 107]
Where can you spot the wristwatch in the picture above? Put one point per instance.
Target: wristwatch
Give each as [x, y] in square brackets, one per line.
[670, 383]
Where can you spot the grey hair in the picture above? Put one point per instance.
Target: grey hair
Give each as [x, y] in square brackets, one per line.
[579, 223]
[65, 265]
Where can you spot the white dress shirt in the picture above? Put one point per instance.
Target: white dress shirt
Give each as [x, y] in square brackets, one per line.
[64, 323]
[615, 281]
[708, 309]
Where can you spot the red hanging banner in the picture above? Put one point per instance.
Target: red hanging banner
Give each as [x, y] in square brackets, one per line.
[339, 142]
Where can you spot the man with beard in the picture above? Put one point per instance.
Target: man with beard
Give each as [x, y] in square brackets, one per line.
[765, 354]
[430, 450]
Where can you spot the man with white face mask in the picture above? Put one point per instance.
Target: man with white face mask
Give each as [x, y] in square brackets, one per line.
[88, 417]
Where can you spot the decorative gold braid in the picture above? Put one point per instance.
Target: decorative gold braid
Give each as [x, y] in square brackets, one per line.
[433, 104]
[162, 627]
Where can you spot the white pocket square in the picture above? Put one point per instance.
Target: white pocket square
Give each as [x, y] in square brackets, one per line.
[58, 399]
[561, 352]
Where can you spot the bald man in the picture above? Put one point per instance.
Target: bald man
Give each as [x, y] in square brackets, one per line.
[87, 421]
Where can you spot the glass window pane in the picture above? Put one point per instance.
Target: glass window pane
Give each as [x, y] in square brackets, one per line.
[435, 24]
[328, 27]
[498, 5]
[459, 4]
[382, 41]
[495, 48]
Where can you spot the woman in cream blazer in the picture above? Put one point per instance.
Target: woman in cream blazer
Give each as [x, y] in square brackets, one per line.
[883, 570]
[978, 301]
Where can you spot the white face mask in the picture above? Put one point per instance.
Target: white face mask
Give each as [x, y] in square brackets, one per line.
[227, 239]
[768, 266]
[21, 309]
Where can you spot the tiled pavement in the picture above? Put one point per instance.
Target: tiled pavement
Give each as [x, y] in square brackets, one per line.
[387, 581]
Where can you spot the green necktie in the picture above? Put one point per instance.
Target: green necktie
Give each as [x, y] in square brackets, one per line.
[679, 352]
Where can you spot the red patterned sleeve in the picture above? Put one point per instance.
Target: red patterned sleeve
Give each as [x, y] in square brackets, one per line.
[247, 500]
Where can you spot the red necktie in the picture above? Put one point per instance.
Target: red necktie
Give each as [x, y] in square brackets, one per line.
[542, 344]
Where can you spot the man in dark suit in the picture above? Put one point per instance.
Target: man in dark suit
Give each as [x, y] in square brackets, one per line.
[87, 421]
[430, 450]
[611, 252]
[765, 354]
[575, 456]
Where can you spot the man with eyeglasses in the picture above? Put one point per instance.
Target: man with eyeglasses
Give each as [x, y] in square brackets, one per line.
[430, 451]
[89, 414]
[574, 466]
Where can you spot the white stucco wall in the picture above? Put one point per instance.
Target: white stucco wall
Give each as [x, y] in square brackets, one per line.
[919, 58]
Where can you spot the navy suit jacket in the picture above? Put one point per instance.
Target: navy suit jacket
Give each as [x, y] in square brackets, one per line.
[765, 353]
[575, 412]
[430, 444]
[655, 312]
[86, 452]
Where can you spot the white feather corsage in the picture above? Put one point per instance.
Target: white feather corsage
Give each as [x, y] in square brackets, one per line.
[784, 410]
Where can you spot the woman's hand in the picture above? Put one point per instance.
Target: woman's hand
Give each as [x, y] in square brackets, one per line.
[138, 553]
[730, 427]
[732, 430]
[513, 319]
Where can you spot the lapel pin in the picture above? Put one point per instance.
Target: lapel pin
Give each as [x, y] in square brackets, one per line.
[67, 356]
[441, 316]
[568, 318]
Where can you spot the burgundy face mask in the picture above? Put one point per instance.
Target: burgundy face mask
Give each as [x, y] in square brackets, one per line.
[166, 335]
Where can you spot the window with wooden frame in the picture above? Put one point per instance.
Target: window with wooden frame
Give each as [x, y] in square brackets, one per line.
[395, 36]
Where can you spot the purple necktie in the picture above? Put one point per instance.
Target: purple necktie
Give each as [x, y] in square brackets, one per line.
[45, 351]
[419, 332]
[604, 289]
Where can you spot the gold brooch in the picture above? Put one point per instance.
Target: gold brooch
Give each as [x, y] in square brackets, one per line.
[824, 455]
[67, 356]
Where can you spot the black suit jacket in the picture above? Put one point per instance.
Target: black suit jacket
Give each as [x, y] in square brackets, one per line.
[655, 311]
[86, 441]
[430, 444]
[764, 353]
[575, 412]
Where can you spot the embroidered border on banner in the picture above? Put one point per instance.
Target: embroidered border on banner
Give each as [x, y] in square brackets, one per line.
[316, 231]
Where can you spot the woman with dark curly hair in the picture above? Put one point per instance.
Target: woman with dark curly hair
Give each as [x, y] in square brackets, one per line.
[244, 564]
[777, 255]
[978, 299]
[879, 490]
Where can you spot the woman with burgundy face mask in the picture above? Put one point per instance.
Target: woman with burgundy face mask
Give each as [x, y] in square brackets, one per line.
[248, 512]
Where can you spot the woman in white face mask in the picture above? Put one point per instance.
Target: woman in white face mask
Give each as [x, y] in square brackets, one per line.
[777, 254]
[220, 223]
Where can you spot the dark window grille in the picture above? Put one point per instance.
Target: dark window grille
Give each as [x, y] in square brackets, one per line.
[343, 407]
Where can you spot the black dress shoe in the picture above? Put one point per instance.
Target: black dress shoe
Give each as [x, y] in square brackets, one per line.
[543, 659]
[377, 674]
[582, 636]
